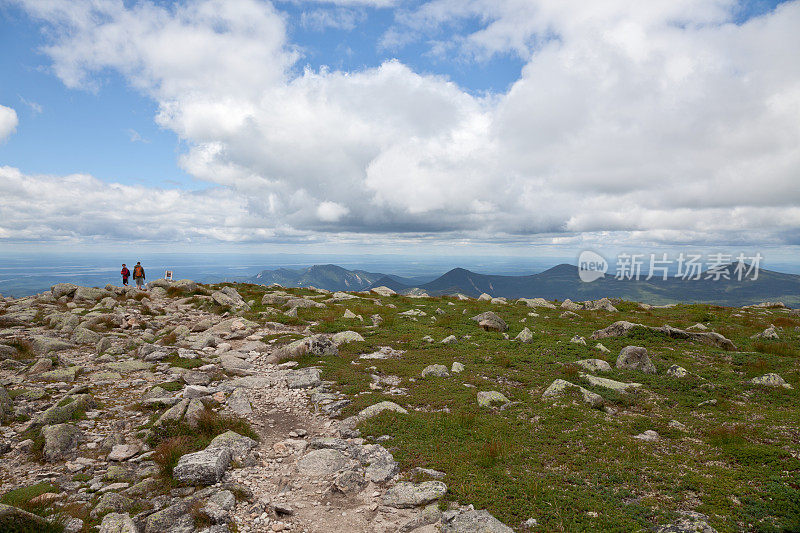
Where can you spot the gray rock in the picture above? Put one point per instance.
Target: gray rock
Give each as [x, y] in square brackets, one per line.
[406, 495]
[635, 358]
[239, 403]
[469, 520]
[690, 522]
[112, 502]
[450, 339]
[381, 466]
[303, 378]
[60, 441]
[594, 365]
[711, 338]
[647, 436]
[303, 303]
[6, 405]
[487, 398]
[349, 482]
[610, 383]
[524, 336]
[378, 408]
[63, 289]
[490, 321]
[383, 291]
[344, 337]
[769, 333]
[235, 365]
[323, 462]
[320, 345]
[118, 523]
[43, 345]
[677, 371]
[569, 305]
[90, 294]
[173, 519]
[59, 413]
[456, 367]
[601, 304]
[559, 387]
[235, 443]
[536, 302]
[123, 452]
[205, 467]
[577, 339]
[439, 371]
[770, 380]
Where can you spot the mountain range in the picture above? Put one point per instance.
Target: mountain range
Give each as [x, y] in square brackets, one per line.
[557, 283]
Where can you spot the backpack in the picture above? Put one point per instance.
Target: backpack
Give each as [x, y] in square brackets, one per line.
[138, 271]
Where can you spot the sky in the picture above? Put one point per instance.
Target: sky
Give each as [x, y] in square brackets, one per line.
[425, 126]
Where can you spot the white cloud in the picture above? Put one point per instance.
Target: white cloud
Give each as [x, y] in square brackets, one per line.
[331, 211]
[35, 107]
[8, 122]
[340, 19]
[136, 137]
[658, 120]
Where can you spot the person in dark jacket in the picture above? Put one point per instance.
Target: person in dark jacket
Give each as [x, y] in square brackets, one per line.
[125, 274]
[138, 275]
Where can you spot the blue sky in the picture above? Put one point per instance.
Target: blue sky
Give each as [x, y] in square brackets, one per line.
[496, 125]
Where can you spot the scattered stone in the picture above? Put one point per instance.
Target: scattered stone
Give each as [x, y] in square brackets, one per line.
[487, 398]
[378, 408]
[344, 337]
[123, 452]
[323, 462]
[60, 441]
[648, 436]
[490, 321]
[118, 523]
[383, 291]
[622, 327]
[690, 522]
[439, 371]
[769, 333]
[406, 495]
[770, 380]
[468, 520]
[524, 336]
[676, 371]
[635, 358]
[560, 387]
[450, 339]
[577, 339]
[594, 365]
[456, 367]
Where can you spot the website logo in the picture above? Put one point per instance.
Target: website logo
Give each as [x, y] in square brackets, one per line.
[591, 266]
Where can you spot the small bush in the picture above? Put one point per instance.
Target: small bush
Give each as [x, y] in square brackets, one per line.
[184, 362]
[169, 339]
[492, 452]
[171, 386]
[169, 451]
[24, 348]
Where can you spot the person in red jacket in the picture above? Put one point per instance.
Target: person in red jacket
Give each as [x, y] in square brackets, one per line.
[125, 274]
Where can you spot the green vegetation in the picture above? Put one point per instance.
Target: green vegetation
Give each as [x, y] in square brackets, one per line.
[727, 448]
[183, 362]
[172, 440]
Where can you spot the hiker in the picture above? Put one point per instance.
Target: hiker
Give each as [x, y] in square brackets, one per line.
[138, 275]
[125, 274]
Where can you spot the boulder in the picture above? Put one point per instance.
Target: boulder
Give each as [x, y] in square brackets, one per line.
[635, 358]
[378, 408]
[406, 495]
[304, 378]
[560, 387]
[205, 467]
[65, 410]
[622, 327]
[490, 321]
[324, 462]
[90, 294]
[118, 523]
[63, 289]
[239, 403]
[487, 398]
[43, 345]
[524, 336]
[577, 339]
[344, 337]
[456, 367]
[594, 365]
[769, 333]
[439, 371]
[112, 502]
[569, 305]
[303, 303]
[60, 441]
[174, 519]
[603, 304]
[536, 302]
[770, 380]
[468, 520]
[383, 291]
[6, 405]
[676, 371]
[450, 339]
[618, 386]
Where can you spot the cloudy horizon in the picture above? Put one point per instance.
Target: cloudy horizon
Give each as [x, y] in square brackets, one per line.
[392, 125]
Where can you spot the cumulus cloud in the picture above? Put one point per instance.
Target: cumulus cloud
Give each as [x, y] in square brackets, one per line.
[8, 122]
[660, 120]
[340, 19]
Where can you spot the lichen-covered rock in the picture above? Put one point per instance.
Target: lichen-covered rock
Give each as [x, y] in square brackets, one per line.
[524, 336]
[6, 405]
[406, 495]
[560, 386]
[378, 408]
[487, 398]
[60, 441]
[118, 523]
[690, 522]
[439, 371]
[676, 371]
[490, 321]
[324, 462]
[594, 365]
[468, 520]
[635, 358]
[65, 410]
[344, 337]
[205, 467]
[383, 291]
[304, 378]
[63, 289]
[770, 380]
[536, 302]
